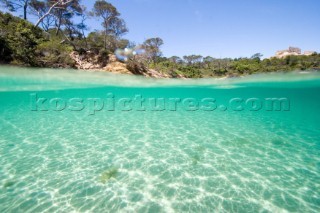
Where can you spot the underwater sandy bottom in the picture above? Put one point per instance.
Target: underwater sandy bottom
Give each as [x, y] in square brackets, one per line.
[168, 161]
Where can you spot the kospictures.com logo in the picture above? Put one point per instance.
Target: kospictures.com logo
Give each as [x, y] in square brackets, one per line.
[139, 103]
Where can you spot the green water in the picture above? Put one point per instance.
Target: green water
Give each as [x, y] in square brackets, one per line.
[146, 160]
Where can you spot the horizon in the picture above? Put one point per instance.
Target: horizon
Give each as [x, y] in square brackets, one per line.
[228, 29]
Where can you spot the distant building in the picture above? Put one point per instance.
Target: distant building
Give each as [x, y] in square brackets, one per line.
[292, 51]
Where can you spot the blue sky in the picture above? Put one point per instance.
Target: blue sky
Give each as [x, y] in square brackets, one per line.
[221, 28]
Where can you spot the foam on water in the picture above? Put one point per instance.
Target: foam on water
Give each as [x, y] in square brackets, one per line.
[165, 161]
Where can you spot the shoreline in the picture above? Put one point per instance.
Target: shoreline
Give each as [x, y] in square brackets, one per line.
[102, 70]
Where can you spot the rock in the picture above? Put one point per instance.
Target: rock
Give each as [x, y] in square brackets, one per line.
[292, 51]
[295, 50]
[308, 53]
[86, 61]
[138, 68]
[116, 66]
[112, 58]
[89, 61]
[156, 74]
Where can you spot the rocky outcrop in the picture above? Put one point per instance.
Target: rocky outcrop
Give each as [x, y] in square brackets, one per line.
[138, 68]
[292, 51]
[87, 61]
[116, 66]
[156, 74]
[90, 61]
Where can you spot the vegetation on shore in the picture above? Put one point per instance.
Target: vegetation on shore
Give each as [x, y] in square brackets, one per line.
[61, 29]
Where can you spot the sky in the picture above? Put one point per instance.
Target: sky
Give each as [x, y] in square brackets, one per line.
[221, 28]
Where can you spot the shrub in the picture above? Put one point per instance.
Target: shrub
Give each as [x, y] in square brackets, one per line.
[5, 51]
[103, 57]
[190, 72]
[54, 54]
[20, 38]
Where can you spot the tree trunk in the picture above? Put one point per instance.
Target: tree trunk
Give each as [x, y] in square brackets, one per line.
[47, 14]
[85, 39]
[58, 3]
[59, 23]
[25, 10]
[105, 40]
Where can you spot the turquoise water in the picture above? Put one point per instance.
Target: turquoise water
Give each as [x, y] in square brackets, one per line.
[101, 159]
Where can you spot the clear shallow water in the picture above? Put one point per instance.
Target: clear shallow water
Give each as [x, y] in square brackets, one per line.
[158, 161]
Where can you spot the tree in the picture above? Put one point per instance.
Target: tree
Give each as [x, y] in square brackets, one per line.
[123, 43]
[82, 27]
[15, 5]
[257, 56]
[187, 59]
[116, 27]
[61, 14]
[115, 30]
[152, 48]
[20, 39]
[197, 58]
[113, 25]
[208, 59]
[64, 13]
[192, 59]
[39, 9]
[175, 59]
[55, 5]
[95, 41]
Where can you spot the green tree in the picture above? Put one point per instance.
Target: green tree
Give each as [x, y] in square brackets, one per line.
[20, 38]
[208, 59]
[16, 5]
[113, 25]
[64, 13]
[257, 56]
[39, 9]
[175, 59]
[192, 59]
[53, 6]
[96, 42]
[62, 17]
[82, 26]
[152, 48]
